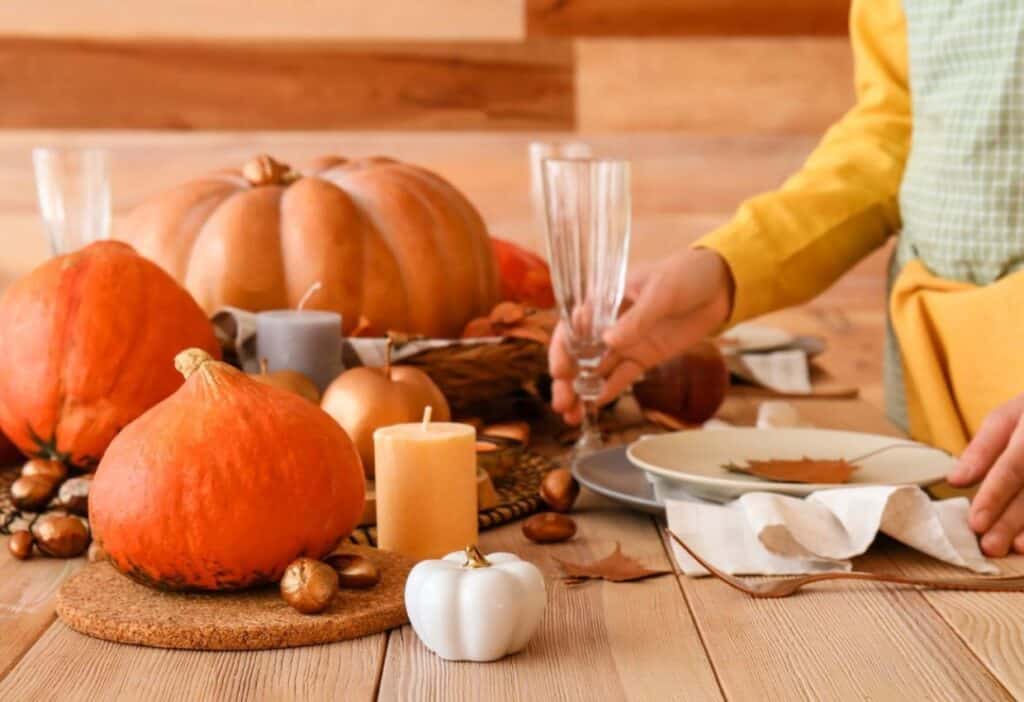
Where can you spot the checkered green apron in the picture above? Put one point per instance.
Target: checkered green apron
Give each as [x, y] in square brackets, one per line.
[962, 197]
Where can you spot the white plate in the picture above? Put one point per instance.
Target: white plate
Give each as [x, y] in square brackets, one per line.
[693, 460]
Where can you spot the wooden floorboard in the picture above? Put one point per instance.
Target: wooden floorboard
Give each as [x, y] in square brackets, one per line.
[359, 85]
[658, 18]
[597, 641]
[88, 669]
[713, 85]
[268, 19]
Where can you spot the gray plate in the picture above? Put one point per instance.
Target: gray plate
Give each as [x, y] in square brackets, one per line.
[610, 473]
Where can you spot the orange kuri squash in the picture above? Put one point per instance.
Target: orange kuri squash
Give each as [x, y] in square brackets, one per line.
[388, 241]
[87, 342]
[224, 483]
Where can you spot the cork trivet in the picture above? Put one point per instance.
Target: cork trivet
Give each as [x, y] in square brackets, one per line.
[101, 602]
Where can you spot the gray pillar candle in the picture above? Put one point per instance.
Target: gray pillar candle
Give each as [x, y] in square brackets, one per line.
[308, 341]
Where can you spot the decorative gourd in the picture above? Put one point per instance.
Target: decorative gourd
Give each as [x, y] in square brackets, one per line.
[87, 343]
[224, 483]
[364, 399]
[471, 607]
[389, 241]
[525, 276]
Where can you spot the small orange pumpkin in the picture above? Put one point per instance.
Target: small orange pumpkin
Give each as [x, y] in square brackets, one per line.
[388, 241]
[525, 276]
[224, 483]
[87, 343]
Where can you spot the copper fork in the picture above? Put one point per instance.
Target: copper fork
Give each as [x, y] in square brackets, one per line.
[787, 586]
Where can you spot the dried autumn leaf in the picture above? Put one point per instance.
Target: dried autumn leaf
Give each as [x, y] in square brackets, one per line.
[479, 328]
[805, 470]
[362, 328]
[507, 313]
[529, 334]
[617, 568]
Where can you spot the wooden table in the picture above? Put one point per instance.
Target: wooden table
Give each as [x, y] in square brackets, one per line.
[670, 638]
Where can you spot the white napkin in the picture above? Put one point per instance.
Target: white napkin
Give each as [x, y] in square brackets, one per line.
[769, 534]
[765, 533]
[786, 371]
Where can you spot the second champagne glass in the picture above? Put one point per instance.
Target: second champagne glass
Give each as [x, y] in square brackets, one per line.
[587, 202]
[73, 186]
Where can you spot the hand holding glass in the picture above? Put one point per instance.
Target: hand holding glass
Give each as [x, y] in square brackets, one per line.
[587, 202]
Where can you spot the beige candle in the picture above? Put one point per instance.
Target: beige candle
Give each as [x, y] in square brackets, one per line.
[426, 488]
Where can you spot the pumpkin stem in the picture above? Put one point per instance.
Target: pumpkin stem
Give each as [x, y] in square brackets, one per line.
[475, 559]
[264, 367]
[190, 360]
[264, 170]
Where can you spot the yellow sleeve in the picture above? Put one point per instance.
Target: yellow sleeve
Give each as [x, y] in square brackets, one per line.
[786, 246]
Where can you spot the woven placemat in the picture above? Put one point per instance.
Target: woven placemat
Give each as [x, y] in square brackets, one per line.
[101, 602]
[517, 498]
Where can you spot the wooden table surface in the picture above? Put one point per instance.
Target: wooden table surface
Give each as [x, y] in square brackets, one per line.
[662, 639]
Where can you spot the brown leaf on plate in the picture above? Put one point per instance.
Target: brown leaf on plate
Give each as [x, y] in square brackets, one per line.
[804, 470]
[617, 568]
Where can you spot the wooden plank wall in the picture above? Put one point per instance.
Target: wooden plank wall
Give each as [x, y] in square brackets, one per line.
[712, 66]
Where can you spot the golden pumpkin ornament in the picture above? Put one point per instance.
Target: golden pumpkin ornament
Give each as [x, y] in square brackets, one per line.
[390, 242]
[364, 399]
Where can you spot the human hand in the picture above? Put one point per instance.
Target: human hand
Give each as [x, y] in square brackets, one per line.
[669, 307]
[995, 458]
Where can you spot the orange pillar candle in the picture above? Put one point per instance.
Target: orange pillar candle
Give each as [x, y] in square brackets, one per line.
[426, 488]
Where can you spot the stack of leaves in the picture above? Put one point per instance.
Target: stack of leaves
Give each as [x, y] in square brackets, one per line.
[516, 321]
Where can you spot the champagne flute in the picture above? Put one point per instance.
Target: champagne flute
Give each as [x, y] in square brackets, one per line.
[587, 202]
[73, 186]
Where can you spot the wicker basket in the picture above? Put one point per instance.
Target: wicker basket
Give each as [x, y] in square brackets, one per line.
[468, 375]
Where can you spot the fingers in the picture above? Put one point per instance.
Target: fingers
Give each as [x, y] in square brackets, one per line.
[653, 304]
[560, 361]
[1002, 484]
[985, 448]
[1018, 543]
[625, 374]
[1007, 529]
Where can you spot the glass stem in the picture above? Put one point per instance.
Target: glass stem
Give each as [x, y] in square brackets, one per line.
[588, 386]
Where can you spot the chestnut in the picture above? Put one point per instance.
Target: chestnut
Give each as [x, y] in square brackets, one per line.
[73, 495]
[55, 471]
[32, 492]
[559, 490]
[549, 528]
[309, 585]
[354, 571]
[20, 545]
[61, 536]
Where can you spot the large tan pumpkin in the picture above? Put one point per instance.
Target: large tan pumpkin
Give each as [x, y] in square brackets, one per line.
[388, 241]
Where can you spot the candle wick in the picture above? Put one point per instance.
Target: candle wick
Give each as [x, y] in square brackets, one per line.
[428, 411]
[309, 293]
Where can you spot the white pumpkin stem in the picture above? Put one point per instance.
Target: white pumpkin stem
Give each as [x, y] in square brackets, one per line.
[309, 293]
[475, 559]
